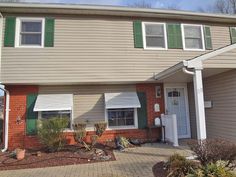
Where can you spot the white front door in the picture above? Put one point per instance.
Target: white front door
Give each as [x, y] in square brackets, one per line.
[177, 103]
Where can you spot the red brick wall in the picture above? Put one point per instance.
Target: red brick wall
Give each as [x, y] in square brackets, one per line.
[150, 90]
[17, 132]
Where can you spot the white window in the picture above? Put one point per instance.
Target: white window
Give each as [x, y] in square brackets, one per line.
[154, 35]
[55, 106]
[193, 37]
[121, 110]
[121, 117]
[56, 114]
[29, 32]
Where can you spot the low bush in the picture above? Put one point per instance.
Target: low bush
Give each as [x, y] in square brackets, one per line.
[218, 169]
[100, 127]
[179, 166]
[80, 133]
[213, 150]
[50, 133]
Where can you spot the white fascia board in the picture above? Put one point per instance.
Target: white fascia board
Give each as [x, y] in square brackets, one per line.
[168, 72]
[197, 62]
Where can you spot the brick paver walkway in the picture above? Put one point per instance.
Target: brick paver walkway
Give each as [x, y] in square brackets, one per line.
[134, 162]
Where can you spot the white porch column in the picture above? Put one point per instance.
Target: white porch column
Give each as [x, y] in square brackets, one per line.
[199, 104]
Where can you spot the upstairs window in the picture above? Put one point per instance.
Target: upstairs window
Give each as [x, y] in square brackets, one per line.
[29, 32]
[154, 35]
[193, 37]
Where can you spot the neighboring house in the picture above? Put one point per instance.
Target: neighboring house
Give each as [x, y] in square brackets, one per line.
[121, 65]
[1, 117]
[1, 107]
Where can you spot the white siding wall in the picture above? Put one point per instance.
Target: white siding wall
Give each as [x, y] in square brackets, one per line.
[94, 50]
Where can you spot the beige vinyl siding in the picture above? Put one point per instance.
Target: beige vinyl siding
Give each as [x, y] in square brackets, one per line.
[220, 36]
[221, 90]
[220, 119]
[94, 50]
[225, 60]
[88, 100]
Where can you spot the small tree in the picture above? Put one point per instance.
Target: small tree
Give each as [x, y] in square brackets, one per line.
[80, 134]
[100, 127]
[50, 133]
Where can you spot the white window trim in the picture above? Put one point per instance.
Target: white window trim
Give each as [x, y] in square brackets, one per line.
[183, 37]
[144, 36]
[135, 126]
[17, 35]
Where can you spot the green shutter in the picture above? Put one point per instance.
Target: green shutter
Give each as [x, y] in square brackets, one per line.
[207, 35]
[174, 36]
[49, 32]
[142, 112]
[138, 36]
[233, 34]
[10, 28]
[31, 116]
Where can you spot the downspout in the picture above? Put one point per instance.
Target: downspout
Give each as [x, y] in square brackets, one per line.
[1, 37]
[187, 71]
[6, 92]
[6, 119]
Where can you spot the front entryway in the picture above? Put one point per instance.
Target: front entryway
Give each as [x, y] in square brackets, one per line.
[176, 102]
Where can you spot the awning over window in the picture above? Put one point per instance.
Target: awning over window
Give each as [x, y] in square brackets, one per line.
[54, 102]
[122, 100]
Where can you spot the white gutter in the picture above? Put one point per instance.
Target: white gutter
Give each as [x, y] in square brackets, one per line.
[7, 92]
[6, 119]
[187, 71]
[170, 71]
[1, 37]
[113, 10]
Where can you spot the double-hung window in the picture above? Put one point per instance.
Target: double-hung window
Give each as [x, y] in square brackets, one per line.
[66, 114]
[121, 117]
[193, 38]
[154, 35]
[121, 110]
[51, 106]
[29, 32]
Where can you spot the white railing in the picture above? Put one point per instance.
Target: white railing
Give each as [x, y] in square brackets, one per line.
[170, 123]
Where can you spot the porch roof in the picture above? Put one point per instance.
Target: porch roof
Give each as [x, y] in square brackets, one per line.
[199, 62]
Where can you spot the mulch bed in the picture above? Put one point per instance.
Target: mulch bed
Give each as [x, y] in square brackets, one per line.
[68, 156]
[158, 170]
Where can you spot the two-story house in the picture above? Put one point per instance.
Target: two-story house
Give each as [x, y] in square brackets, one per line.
[125, 66]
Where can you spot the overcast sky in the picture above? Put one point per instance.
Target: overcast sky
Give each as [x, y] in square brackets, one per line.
[192, 5]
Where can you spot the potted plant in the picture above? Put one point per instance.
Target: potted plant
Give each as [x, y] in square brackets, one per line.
[20, 154]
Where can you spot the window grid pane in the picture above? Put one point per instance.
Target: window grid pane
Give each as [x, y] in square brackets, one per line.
[155, 36]
[31, 33]
[31, 26]
[56, 114]
[193, 37]
[30, 39]
[120, 117]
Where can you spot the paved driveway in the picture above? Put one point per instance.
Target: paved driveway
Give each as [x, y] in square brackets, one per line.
[135, 162]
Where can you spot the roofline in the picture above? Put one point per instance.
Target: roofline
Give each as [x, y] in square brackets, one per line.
[194, 62]
[113, 10]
